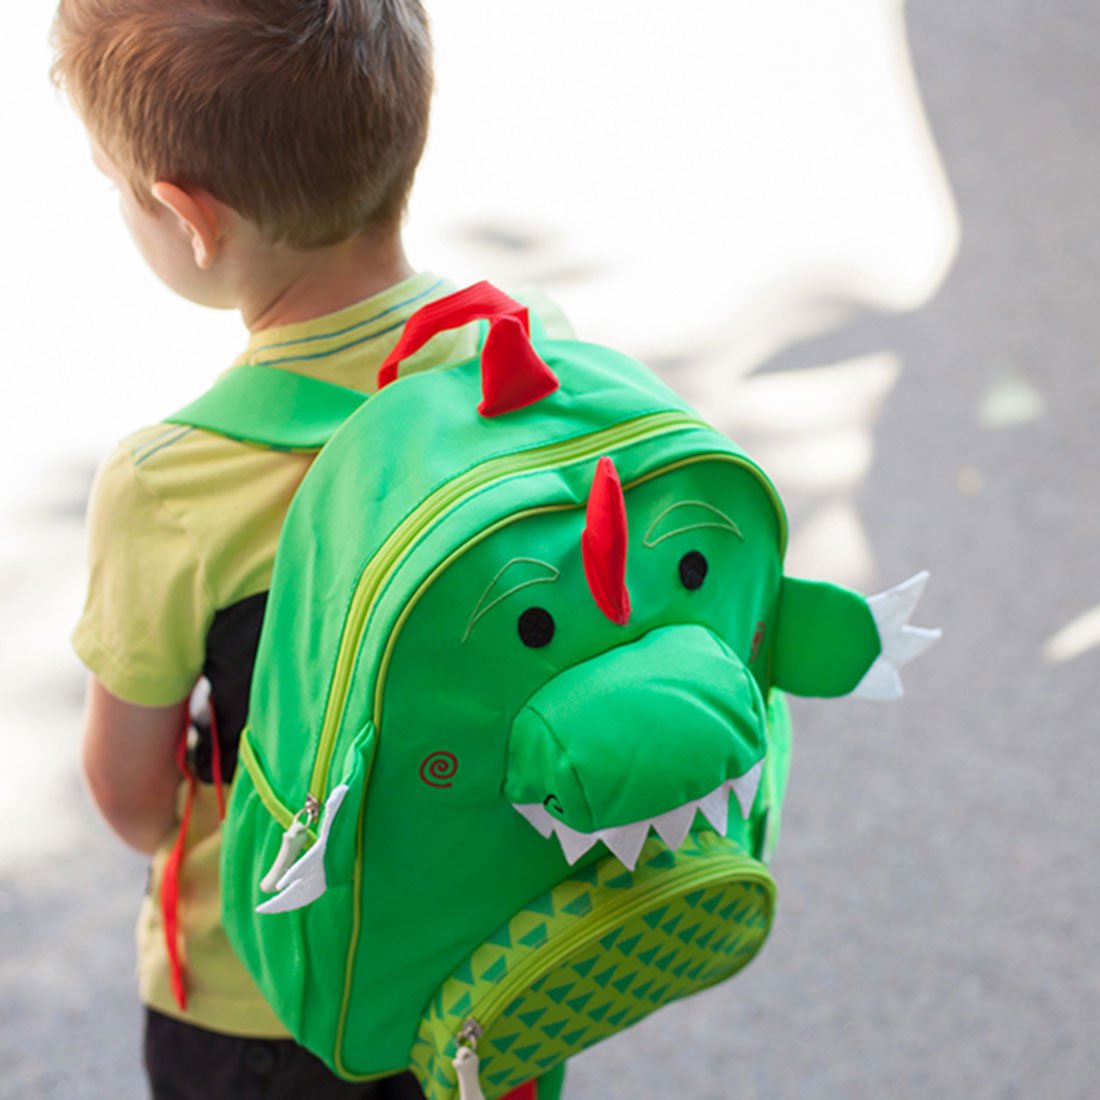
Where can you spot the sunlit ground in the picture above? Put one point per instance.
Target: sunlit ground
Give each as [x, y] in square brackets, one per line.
[750, 198]
[703, 193]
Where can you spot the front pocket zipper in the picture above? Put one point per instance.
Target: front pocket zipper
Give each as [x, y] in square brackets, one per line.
[633, 904]
[622, 945]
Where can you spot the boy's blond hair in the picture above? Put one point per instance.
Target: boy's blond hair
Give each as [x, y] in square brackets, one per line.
[308, 117]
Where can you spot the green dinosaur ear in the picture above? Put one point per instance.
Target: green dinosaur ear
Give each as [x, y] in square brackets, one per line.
[825, 639]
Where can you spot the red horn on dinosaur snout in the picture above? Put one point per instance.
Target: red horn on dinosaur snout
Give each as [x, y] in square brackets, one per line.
[603, 543]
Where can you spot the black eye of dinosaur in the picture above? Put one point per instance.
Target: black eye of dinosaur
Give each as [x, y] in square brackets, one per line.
[693, 570]
[536, 627]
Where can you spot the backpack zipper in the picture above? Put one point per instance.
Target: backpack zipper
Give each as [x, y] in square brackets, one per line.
[632, 904]
[427, 513]
[372, 578]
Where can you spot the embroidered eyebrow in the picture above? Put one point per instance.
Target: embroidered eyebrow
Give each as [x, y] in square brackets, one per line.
[713, 517]
[547, 574]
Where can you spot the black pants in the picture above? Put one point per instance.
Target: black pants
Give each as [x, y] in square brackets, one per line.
[185, 1062]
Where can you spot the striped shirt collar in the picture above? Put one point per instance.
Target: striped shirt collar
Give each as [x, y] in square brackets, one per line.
[336, 344]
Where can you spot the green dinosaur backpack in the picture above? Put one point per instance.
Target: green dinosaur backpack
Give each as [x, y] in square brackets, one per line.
[516, 752]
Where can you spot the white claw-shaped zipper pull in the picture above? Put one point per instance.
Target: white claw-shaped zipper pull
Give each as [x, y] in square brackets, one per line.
[294, 840]
[466, 1062]
[305, 881]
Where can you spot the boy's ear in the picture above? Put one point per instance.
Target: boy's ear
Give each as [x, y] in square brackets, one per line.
[198, 215]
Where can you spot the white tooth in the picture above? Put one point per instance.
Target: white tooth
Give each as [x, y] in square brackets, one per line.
[716, 808]
[673, 826]
[625, 841]
[573, 843]
[536, 814]
[744, 786]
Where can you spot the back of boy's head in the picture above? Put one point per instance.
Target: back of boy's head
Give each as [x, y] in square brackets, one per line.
[308, 117]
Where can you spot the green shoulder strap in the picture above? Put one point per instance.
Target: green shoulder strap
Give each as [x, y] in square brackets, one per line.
[283, 410]
[271, 407]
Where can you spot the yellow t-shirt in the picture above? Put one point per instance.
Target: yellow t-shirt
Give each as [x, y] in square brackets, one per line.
[182, 524]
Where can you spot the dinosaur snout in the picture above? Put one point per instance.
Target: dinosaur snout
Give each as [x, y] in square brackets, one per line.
[645, 735]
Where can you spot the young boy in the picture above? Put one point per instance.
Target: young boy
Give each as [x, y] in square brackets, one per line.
[263, 151]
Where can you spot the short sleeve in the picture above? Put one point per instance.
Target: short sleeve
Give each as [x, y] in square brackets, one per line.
[143, 629]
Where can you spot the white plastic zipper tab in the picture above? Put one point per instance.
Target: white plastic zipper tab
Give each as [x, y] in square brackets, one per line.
[467, 1063]
[294, 840]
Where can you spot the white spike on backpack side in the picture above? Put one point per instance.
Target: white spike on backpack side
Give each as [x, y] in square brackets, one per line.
[900, 641]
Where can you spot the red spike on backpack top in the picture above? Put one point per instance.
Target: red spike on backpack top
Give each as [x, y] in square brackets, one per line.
[512, 374]
[604, 543]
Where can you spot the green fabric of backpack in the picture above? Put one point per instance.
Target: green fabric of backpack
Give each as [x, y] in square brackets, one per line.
[517, 746]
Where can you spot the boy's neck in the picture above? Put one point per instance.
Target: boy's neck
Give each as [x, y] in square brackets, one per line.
[293, 286]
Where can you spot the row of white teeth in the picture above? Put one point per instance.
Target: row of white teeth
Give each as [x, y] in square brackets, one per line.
[626, 841]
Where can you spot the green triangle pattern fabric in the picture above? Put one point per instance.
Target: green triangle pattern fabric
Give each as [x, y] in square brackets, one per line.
[596, 954]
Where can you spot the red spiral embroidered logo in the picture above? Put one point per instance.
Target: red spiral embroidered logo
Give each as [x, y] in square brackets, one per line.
[439, 769]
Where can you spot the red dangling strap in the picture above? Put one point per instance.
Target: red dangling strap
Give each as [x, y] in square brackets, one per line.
[173, 867]
[170, 885]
